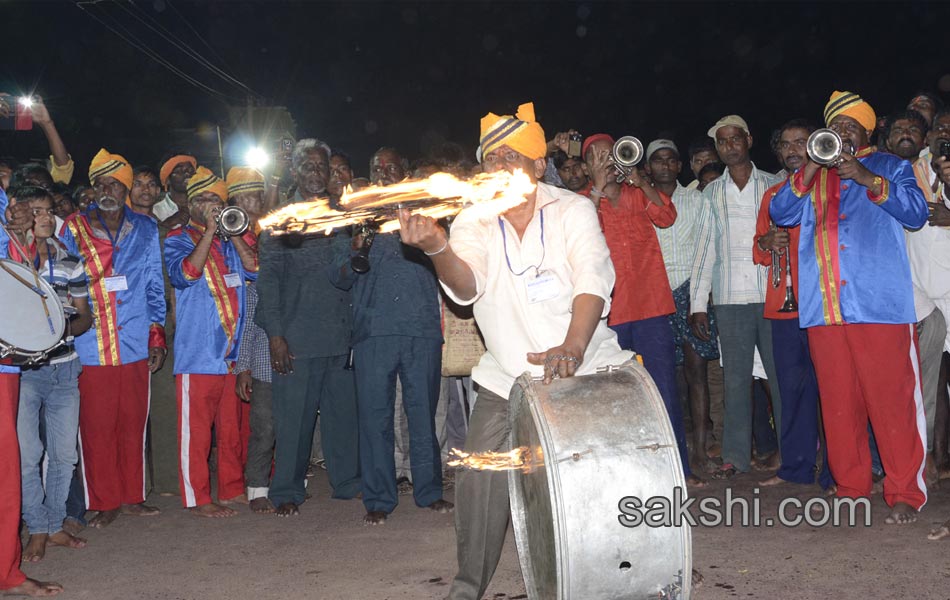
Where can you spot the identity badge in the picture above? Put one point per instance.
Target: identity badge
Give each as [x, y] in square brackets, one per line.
[233, 280]
[543, 286]
[116, 283]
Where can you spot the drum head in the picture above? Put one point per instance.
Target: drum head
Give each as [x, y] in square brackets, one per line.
[24, 322]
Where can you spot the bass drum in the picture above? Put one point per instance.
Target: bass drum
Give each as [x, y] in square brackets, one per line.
[589, 442]
[30, 325]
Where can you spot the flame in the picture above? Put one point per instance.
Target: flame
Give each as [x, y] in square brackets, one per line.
[520, 458]
[438, 196]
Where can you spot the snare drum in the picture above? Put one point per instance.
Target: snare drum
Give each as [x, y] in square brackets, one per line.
[32, 321]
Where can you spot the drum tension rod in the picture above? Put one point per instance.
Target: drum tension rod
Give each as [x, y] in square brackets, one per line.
[654, 446]
[576, 456]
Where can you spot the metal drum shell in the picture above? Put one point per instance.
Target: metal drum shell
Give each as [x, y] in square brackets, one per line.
[601, 437]
[24, 330]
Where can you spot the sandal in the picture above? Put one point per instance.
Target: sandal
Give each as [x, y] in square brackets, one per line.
[726, 472]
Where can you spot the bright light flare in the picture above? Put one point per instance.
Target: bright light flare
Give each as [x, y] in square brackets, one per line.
[257, 158]
[26, 101]
[438, 196]
[518, 459]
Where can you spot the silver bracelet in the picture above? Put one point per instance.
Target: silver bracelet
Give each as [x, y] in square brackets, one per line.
[439, 251]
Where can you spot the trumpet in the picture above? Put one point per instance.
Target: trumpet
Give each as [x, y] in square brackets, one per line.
[626, 153]
[790, 305]
[232, 221]
[825, 147]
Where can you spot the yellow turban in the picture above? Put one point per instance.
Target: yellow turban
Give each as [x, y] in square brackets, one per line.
[112, 165]
[244, 179]
[521, 133]
[170, 165]
[851, 105]
[205, 181]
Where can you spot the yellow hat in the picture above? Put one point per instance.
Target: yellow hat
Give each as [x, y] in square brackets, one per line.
[244, 179]
[205, 181]
[521, 133]
[851, 105]
[173, 162]
[112, 165]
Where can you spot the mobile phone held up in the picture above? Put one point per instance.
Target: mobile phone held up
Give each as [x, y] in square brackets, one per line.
[574, 145]
[15, 113]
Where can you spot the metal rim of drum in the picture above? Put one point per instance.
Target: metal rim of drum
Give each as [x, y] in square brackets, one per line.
[529, 401]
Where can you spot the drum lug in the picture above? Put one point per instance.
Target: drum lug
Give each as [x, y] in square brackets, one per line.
[608, 368]
[576, 456]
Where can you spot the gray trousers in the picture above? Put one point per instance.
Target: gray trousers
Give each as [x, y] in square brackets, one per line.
[481, 501]
[742, 327]
[260, 446]
[931, 332]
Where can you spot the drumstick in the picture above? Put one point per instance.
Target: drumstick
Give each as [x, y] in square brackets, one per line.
[35, 288]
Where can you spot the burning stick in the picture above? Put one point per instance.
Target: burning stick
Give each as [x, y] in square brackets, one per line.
[440, 195]
[520, 458]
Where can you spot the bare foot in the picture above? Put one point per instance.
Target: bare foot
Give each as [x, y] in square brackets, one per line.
[140, 510]
[104, 518]
[773, 462]
[239, 499]
[212, 510]
[66, 540]
[33, 589]
[262, 506]
[697, 579]
[877, 487]
[374, 517]
[72, 526]
[714, 450]
[901, 514]
[696, 482]
[442, 506]
[831, 492]
[940, 532]
[943, 473]
[773, 480]
[35, 549]
[287, 509]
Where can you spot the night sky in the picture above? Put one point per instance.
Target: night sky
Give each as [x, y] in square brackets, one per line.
[361, 75]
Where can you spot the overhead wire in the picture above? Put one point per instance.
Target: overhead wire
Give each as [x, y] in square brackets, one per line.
[129, 39]
[182, 46]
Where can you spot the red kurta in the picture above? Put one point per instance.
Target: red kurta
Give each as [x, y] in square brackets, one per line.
[642, 289]
[775, 297]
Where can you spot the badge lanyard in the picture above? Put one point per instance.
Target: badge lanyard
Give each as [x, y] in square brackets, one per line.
[113, 241]
[504, 238]
[49, 262]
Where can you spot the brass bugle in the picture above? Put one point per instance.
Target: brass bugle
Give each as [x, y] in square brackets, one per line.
[825, 147]
[626, 153]
[232, 221]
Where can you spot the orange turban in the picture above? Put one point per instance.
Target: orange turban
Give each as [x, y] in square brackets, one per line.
[521, 133]
[206, 181]
[244, 179]
[851, 105]
[170, 165]
[112, 165]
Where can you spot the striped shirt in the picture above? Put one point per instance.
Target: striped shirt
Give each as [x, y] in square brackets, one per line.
[678, 241]
[254, 355]
[64, 271]
[723, 261]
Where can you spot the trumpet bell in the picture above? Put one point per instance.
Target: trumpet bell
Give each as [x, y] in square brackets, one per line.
[824, 146]
[233, 221]
[627, 151]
